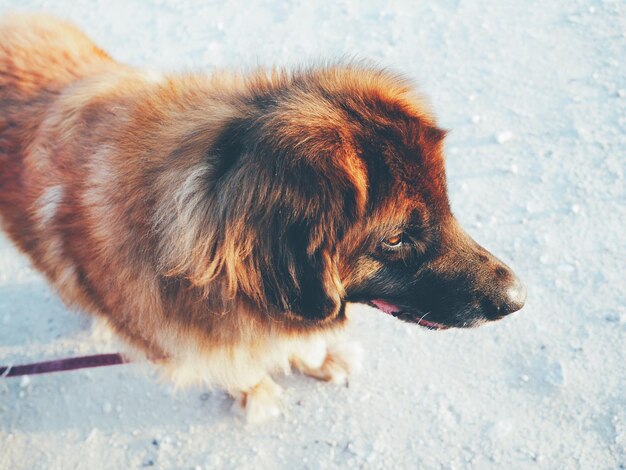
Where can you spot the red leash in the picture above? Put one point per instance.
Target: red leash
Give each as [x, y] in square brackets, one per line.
[83, 362]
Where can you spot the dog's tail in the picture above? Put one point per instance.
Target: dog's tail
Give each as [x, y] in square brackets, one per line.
[40, 51]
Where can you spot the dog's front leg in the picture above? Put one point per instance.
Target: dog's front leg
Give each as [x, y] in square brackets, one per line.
[259, 402]
[331, 362]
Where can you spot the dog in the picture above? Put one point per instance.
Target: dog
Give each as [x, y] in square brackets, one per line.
[221, 223]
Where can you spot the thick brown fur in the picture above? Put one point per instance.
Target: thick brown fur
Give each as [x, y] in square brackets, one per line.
[211, 216]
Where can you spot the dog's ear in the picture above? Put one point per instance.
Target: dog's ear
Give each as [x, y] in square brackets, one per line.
[284, 211]
[297, 264]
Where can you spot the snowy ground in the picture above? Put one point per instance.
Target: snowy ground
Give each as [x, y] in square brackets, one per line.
[535, 95]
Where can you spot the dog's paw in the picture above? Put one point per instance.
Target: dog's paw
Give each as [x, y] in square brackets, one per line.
[260, 403]
[341, 359]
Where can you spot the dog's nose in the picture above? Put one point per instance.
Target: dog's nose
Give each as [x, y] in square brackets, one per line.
[505, 295]
[514, 298]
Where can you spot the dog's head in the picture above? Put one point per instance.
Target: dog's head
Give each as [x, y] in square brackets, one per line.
[328, 187]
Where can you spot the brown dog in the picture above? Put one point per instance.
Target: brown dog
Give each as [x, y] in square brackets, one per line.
[221, 223]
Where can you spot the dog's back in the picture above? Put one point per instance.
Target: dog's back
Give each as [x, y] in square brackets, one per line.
[39, 57]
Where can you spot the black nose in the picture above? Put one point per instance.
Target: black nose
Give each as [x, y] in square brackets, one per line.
[514, 298]
[504, 296]
[509, 298]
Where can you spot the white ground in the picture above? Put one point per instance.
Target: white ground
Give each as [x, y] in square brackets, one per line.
[535, 95]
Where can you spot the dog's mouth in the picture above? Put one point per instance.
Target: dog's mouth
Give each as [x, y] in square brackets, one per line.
[407, 315]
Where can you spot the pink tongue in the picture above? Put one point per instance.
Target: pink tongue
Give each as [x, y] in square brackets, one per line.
[386, 307]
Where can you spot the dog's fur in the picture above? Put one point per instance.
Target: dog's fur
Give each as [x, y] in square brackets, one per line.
[221, 223]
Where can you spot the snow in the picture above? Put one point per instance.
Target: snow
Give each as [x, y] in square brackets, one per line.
[533, 93]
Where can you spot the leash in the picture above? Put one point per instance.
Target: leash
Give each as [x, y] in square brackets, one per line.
[60, 365]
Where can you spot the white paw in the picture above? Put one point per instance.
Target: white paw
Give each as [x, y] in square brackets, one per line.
[260, 403]
[341, 359]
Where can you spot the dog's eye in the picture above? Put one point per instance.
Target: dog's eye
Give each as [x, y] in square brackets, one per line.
[395, 241]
